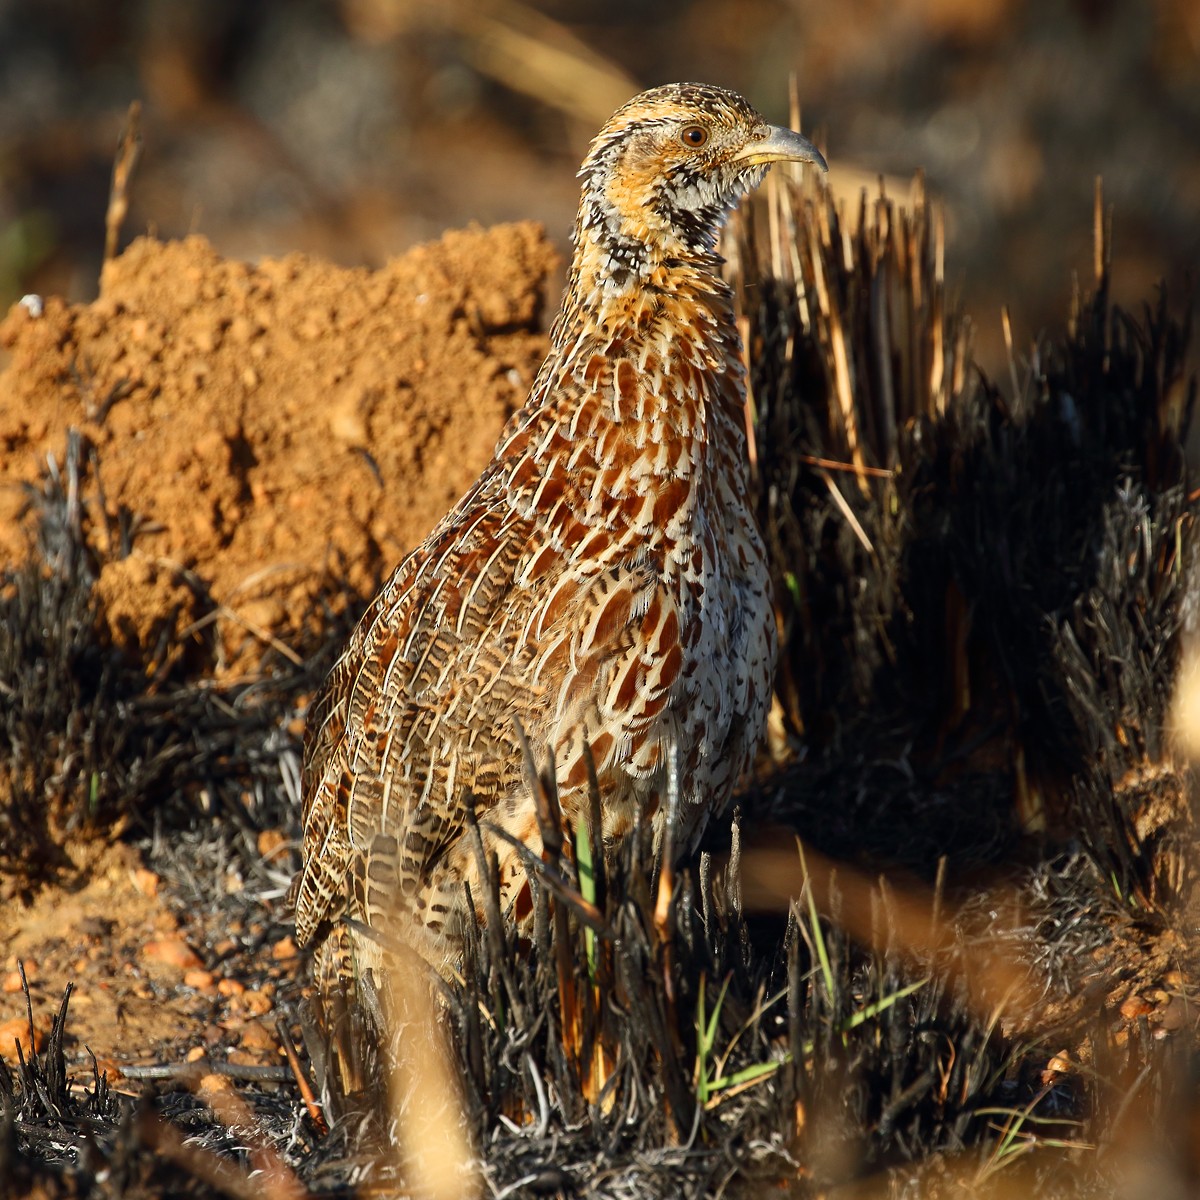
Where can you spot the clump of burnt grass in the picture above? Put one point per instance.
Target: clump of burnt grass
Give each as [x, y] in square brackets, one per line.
[92, 738]
[717, 1055]
[982, 590]
[704, 1055]
[993, 588]
[720, 1053]
[69, 1126]
[96, 743]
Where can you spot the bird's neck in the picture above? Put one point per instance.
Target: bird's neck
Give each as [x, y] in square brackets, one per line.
[656, 302]
[638, 412]
[623, 256]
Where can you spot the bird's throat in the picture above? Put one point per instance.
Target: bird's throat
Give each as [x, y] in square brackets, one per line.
[638, 407]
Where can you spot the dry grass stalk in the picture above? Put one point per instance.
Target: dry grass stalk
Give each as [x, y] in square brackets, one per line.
[129, 150]
[436, 1158]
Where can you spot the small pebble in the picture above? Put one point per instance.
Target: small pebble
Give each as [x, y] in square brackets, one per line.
[285, 948]
[1135, 1006]
[253, 1002]
[271, 840]
[174, 952]
[145, 881]
[256, 1036]
[16, 1029]
[199, 978]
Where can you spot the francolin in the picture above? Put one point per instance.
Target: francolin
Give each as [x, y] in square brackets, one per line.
[602, 582]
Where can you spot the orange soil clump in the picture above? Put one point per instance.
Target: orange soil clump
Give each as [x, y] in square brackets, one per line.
[269, 426]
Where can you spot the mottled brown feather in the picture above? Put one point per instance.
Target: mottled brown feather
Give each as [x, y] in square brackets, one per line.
[603, 580]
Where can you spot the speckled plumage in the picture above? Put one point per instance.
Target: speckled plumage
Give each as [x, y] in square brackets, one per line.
[602, 580]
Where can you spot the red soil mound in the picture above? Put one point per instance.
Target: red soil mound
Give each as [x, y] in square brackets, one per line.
[266, 423]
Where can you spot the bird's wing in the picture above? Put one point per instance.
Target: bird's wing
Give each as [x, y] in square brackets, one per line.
[489, 620]
[385, 740]
[624, 682]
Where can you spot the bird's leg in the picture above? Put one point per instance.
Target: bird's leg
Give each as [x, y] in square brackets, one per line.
[663, 919]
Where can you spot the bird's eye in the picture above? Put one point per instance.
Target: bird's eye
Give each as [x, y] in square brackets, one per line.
[693, 136]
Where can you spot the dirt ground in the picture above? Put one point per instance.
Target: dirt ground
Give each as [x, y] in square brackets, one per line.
[263, 429]
[261, 423]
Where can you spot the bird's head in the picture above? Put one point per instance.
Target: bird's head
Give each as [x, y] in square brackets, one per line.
[666, 169]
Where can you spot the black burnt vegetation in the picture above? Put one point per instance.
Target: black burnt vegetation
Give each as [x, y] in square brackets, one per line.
[903, 967]
[93, 737]
[1004, 603]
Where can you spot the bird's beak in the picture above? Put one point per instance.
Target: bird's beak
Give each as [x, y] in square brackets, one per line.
[780, 145]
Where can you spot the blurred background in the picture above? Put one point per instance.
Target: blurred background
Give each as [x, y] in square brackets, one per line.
[354, 128]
